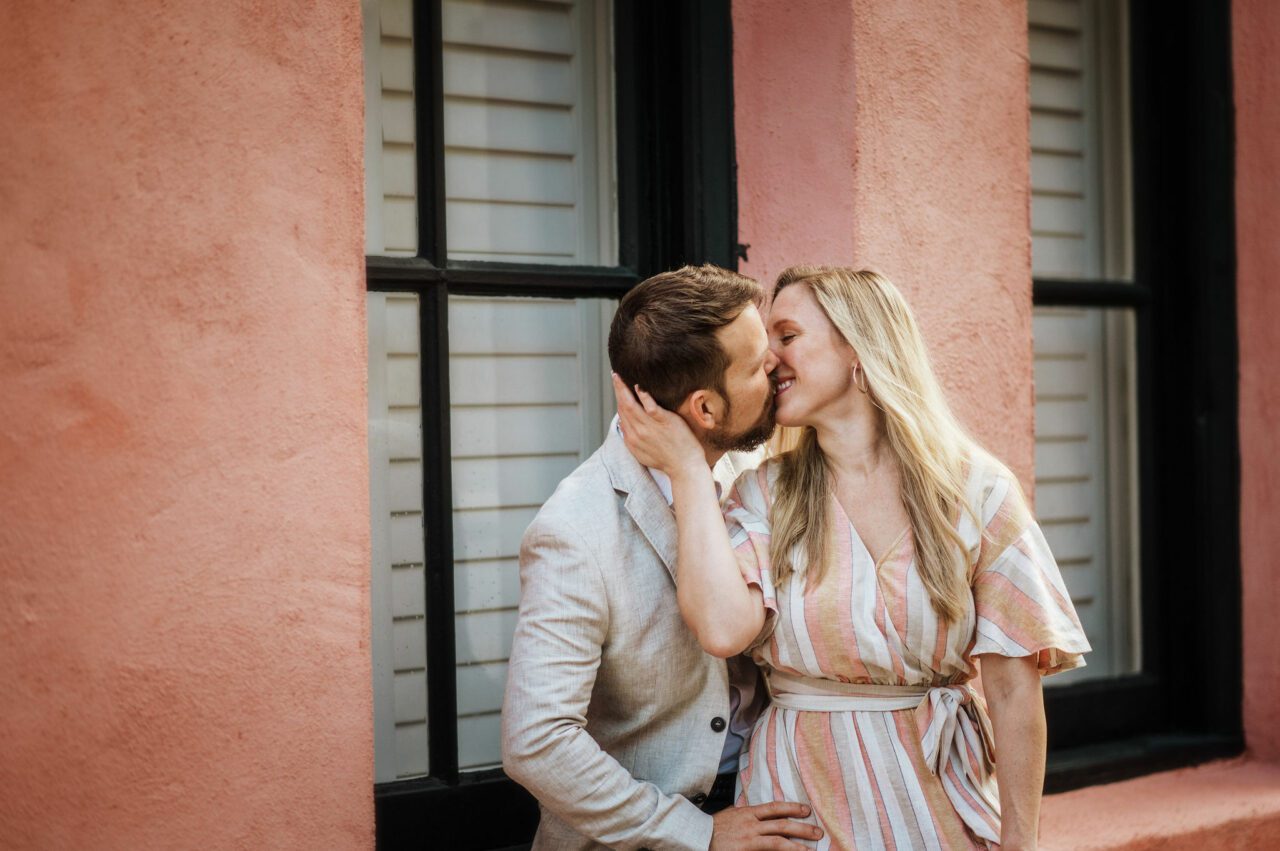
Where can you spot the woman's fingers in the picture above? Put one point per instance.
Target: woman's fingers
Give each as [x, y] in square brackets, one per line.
[651, 407]
[623, 394]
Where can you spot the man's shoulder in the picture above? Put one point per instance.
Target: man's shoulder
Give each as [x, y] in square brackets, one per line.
[581, 502]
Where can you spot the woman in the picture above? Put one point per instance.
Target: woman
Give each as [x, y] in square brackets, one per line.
[868, 570]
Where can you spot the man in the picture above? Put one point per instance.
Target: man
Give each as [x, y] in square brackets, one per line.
[615, 719]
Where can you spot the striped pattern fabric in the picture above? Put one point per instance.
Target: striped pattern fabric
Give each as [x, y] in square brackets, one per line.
[864, 773]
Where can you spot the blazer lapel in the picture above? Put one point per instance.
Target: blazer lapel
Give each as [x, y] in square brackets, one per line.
[652, 514]
[645, 503]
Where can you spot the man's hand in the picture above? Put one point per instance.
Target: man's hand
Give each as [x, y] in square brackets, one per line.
[762, 827]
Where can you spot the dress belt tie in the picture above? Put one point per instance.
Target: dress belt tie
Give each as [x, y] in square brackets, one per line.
[952, 719]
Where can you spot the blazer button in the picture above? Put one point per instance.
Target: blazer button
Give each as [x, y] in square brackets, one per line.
[717, 724]
[699, 799]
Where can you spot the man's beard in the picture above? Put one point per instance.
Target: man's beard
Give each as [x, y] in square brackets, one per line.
[747, 439]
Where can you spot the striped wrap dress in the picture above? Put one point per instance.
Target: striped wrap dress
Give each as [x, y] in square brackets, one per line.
[872, 720]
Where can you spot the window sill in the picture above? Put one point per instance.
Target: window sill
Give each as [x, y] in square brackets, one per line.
[1229, 804]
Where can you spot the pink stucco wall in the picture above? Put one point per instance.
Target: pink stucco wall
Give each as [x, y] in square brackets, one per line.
[894, 136]
[1256, 49]
[183, 484]
[1233, 804]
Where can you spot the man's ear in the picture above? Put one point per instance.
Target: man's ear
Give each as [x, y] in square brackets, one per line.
[702, 409]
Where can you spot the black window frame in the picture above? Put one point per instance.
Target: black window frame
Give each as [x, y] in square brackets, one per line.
[677, 203]
[1184, 706]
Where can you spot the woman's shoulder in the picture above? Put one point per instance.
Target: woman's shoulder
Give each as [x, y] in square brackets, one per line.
[992, 488]
[754, 489]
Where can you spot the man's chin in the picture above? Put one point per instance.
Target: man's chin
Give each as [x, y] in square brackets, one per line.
[743, 441]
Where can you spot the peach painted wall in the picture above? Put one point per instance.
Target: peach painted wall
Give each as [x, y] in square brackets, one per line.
[894, 136]
[1256, 49]
[183, 485]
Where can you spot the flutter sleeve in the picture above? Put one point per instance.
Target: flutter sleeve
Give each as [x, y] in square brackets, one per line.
[1023, 607]
[746, 515]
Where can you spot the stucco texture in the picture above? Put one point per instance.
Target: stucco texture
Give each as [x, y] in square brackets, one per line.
[894, 137]
[1233, 804]
[183, 467]
[1256, 52]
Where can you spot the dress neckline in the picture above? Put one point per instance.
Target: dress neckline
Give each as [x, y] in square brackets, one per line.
[890, 550]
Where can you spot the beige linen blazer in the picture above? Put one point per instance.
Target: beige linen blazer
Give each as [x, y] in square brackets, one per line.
[610, 701]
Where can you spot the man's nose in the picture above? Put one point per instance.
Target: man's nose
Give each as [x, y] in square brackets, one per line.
[770, 361]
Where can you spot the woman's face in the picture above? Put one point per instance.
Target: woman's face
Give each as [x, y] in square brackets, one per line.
[814, 376]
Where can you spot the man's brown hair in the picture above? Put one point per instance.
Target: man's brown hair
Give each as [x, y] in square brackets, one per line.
[663, 336]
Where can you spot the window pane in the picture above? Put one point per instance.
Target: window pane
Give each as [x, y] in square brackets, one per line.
[395, 499]
[1085, 494]
[528, 132]
[391, 218]
[529, 402]
[1079, 139]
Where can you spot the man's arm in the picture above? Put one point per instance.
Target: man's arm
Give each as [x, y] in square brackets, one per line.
[563, 622]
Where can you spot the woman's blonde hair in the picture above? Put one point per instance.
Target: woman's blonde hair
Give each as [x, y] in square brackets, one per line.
[932, 449]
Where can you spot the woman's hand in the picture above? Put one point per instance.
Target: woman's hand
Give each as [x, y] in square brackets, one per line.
[656, 437]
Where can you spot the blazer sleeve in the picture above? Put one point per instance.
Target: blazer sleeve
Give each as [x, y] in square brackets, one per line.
[555, 655]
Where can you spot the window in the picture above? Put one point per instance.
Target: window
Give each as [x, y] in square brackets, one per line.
[1086, 473]
[1134, 435]
[526, 162]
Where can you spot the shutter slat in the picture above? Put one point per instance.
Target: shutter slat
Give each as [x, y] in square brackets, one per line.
[1054, 13]
[480, 740]
[521, 228]
[508, 77]
[474, 175]
[1059, 92]
[1058, 173]
[508, 127]
[482, 585]
[534, 27]
[410, 698]
[490, 534]
[483, 483]
[480, 688]
[513, 326]
[525, 430]
[484, 636]
[1055, 50]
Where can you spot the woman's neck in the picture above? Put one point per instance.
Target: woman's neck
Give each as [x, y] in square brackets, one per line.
[855, 443]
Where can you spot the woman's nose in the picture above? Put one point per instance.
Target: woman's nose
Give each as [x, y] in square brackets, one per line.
[770, 361]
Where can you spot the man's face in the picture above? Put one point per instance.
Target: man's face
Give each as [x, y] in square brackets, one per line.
[748, 415]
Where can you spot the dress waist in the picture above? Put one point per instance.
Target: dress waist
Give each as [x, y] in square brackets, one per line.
[955, 732]
[810, 694]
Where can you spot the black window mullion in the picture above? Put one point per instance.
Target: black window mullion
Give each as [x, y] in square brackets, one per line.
[428, 99]
[514, 279]
[1060, 292]
[437, 523]
[433, 307]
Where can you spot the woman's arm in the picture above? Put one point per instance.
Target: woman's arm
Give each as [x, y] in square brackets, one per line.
[722, 610]
[1013, 690]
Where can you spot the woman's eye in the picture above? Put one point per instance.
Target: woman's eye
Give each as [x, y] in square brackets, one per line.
[787, 338]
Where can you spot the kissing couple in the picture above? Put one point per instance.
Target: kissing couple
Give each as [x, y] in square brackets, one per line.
[717, 653]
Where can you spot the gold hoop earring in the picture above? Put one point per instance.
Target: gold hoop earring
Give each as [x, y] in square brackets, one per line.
[857, 368]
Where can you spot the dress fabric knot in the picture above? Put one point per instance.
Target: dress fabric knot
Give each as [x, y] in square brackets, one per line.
[955, 733]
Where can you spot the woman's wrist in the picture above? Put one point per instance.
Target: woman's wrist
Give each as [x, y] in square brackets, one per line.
[691, 474]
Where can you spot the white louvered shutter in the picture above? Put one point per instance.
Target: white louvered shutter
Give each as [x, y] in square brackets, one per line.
[395, 495]
[528, 178]
[395, 413]
[1083, 357]
[391, 218]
